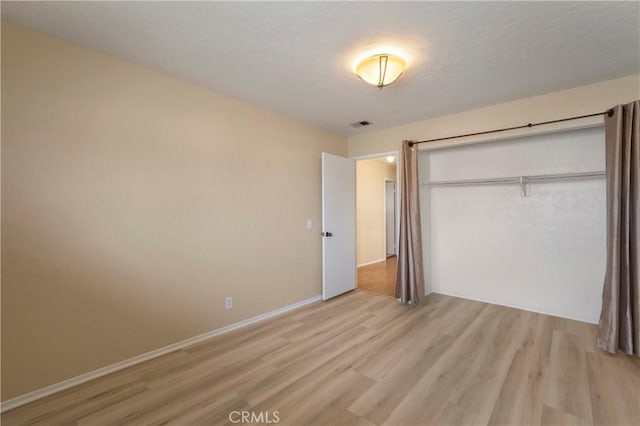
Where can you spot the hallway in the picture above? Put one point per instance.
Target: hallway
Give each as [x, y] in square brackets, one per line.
[380, 277]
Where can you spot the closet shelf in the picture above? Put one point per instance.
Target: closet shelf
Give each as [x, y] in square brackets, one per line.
[520, 180]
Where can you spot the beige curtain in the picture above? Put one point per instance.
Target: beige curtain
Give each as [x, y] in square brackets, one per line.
[410, 276]
[620, 318]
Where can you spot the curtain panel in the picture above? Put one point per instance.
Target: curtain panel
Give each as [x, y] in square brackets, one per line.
[410, 274]
[619, 327]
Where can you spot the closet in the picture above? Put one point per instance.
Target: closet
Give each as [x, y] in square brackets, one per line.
[518, 222]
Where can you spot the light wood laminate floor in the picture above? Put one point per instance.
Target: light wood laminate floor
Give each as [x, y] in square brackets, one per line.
[379, 277]
[363, 359]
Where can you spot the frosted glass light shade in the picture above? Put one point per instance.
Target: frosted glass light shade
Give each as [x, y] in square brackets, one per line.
[381, 70]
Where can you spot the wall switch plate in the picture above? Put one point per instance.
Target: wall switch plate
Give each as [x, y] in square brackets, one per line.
[309, 224]
[228, 302]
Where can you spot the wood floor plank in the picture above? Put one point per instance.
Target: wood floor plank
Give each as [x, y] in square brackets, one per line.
[299, 390]
[234, 362]
[314, 337]
[450, 414]
[336, 306]
[142, 404]
[555, 417]
[398, 336]
[430, 395]
[615, 395]
[397, 379]
[521, 397]
[386, 314]
[73, 399]
[216, 412]
[327, 402]
[363, 359]
[568, 386]
[379, 402]
[584, 333]
[311, 359]
[181, 404]
[480, 386]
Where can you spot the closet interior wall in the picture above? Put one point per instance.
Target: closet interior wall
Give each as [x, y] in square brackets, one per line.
[543, 252]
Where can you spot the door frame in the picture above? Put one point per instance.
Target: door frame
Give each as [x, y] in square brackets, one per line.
[398, 193]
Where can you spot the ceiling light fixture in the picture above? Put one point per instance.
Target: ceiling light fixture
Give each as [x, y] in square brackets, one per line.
[390, 159]
[381, 69]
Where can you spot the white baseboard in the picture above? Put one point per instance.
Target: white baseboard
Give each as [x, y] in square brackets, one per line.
[74, 381]
[372, 262]
[522, 308]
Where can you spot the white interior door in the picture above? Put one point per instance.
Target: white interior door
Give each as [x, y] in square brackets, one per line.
[338, 225]
[390, 216]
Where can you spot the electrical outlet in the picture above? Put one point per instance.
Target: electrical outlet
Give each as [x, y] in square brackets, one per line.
[309, 224]
[228, 302]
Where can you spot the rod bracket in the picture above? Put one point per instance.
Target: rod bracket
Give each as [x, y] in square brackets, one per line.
[523, 186]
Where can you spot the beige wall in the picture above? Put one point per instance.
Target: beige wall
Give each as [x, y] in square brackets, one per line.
[370, 220]
[567, 103]
[133, 203]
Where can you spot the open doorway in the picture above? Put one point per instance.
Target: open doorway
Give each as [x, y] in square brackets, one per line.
[377, 223]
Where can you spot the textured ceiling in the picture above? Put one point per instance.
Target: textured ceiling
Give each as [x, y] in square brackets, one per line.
[295, 58]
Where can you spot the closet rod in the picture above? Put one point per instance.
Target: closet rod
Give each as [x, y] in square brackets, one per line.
[609, 113]
[514, 179]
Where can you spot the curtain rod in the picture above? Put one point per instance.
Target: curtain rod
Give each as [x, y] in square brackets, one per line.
[609, 113]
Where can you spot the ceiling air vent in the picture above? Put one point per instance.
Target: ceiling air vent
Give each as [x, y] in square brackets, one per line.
[360, 123]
